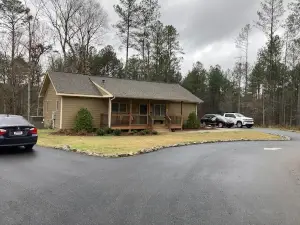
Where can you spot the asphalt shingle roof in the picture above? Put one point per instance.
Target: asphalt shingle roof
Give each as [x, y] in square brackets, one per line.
[66, 83]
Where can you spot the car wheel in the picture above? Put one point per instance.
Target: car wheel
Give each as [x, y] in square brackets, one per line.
[239, 124]
[249, 126]
[220, 125]
[28, 147]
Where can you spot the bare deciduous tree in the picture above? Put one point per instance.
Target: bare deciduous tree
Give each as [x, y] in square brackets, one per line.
[242, 43]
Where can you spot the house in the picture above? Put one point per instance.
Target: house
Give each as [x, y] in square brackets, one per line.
[116, 103]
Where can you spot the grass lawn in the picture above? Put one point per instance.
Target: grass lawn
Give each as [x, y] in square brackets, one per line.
[111, 145]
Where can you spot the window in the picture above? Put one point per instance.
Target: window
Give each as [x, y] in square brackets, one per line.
[160, 110]
[230, 115]
[57, 105]
[115, 107]
[119, 107]
[123, 108]
[208, 116]
[143, 109]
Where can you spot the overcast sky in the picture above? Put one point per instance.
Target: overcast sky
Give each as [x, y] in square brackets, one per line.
[207, 28]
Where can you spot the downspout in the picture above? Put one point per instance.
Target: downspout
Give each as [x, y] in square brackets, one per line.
[110, 110]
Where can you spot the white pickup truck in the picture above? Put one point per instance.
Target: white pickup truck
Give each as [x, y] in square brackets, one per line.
[240, 120]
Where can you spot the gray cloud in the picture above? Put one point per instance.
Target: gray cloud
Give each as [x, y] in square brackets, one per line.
[203, 22]
[207, 28]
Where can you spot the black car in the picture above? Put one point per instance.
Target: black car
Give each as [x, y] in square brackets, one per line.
[17, 131]
[216, 120]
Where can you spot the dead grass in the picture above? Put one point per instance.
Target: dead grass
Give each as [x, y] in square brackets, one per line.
[111, 145]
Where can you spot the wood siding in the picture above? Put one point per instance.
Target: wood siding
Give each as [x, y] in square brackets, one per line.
[51, 101]
[187, 108]
[71, 106]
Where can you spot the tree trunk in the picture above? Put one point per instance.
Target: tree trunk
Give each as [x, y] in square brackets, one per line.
[127, 41]
[30, 73]
[298, 106]
[246, 66]
[13, 76]
[263, 107]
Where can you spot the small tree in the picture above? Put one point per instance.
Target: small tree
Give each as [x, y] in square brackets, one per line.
[84, 121]
[193, 122]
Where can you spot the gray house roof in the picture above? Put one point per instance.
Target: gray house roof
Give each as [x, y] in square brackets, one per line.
[76, 84]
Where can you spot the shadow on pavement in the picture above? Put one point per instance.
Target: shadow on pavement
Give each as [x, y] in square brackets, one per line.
[16, 151]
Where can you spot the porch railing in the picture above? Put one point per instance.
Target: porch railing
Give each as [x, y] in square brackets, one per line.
[135, 120]
[139, 120]
[168, 122]
[176, 120]
[150, 122]
[120, 119]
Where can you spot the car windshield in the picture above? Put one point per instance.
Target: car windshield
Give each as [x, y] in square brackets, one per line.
[9, 121]
[239, 115]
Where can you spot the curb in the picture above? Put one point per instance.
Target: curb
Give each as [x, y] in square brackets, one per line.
[155, 149]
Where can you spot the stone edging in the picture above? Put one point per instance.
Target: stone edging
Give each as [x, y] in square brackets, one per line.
[154, 149]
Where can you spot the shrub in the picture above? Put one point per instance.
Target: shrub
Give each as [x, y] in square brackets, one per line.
[193, 122]
[108, 130]
[143, 132]
[83, 121]
[154, 132]
[117, 132]
[134, 131]
[147, 131]
[100, 132]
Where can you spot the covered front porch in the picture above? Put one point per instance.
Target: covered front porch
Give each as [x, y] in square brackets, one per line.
[134, 114]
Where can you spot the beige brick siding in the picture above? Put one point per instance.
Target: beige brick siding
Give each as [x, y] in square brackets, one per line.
[71, 106]
[51, 104]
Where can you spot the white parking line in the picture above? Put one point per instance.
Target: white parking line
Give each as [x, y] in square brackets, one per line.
[272, 149]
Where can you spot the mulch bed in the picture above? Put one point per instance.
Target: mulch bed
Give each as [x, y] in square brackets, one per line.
[72, 133]
[200, 129]
[93, 134]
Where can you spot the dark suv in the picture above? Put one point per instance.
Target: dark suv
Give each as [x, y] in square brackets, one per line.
[216, 120]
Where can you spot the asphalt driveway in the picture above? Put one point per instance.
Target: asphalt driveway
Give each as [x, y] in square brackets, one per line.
[233, 183]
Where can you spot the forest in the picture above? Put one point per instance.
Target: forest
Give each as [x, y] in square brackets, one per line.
[39, 36]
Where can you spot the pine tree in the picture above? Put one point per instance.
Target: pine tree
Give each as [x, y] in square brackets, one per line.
[128, 11]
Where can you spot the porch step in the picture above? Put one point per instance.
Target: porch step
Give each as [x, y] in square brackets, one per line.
[161, 128]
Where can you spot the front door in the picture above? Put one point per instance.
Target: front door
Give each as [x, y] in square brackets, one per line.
[159, 113]
[143, 118]
[143, 109]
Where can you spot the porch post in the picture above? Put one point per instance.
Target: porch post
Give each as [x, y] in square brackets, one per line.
[148, 113]
[109, 112]
[130, 115]
[181, 115]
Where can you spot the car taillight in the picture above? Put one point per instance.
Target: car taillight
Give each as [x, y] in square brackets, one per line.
[2, 132]
[33, 131]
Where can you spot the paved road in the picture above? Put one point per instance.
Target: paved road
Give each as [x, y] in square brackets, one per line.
[233, 183]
